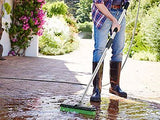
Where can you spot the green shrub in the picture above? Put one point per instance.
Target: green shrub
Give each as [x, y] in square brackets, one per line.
[53, 0]
[83, 14]
[85, 30]
[73, 6]
[57, 38]
[72, 23]
[145, 55]
[150, 28]
[147, 4]
[85, 27]
[147, 37]
[56, 8]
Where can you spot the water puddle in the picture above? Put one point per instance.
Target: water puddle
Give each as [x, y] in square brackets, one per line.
[48, 108]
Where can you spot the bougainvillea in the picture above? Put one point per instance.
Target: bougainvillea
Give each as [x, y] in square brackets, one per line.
[27, 20]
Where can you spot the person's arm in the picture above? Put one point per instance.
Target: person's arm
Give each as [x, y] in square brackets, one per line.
[101, 7]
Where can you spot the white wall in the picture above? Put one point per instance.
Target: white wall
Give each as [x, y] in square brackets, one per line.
[5, 41]
[32, 50]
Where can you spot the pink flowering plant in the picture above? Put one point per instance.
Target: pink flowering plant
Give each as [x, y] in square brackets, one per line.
[27, 20]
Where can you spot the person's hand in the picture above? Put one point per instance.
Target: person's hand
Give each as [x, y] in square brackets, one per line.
[115, 24]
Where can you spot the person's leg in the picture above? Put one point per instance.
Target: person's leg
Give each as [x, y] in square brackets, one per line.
[119, 41]
[116, 60]
[100, 38]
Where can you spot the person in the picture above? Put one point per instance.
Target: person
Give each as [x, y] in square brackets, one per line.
[1, 30]
[105, 15]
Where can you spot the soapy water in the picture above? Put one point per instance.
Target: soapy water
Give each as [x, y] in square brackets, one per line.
[48, 108]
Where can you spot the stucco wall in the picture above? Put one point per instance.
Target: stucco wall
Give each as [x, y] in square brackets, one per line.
[5, 37]
[32, 50]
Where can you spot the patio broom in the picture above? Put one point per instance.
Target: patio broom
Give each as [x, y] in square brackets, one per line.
[78, 108]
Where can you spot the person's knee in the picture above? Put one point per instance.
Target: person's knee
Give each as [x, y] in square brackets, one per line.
[100, 50]
[117, 57]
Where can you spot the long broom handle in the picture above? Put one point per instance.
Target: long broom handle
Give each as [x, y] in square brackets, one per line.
[108, 45]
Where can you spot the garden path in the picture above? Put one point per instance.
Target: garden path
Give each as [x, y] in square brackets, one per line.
[140, 79]
[33, 87]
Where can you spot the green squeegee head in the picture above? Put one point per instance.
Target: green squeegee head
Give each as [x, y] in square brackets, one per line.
[78, 109]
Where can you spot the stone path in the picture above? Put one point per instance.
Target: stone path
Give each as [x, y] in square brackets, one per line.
[141, 79]
[33, 84]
